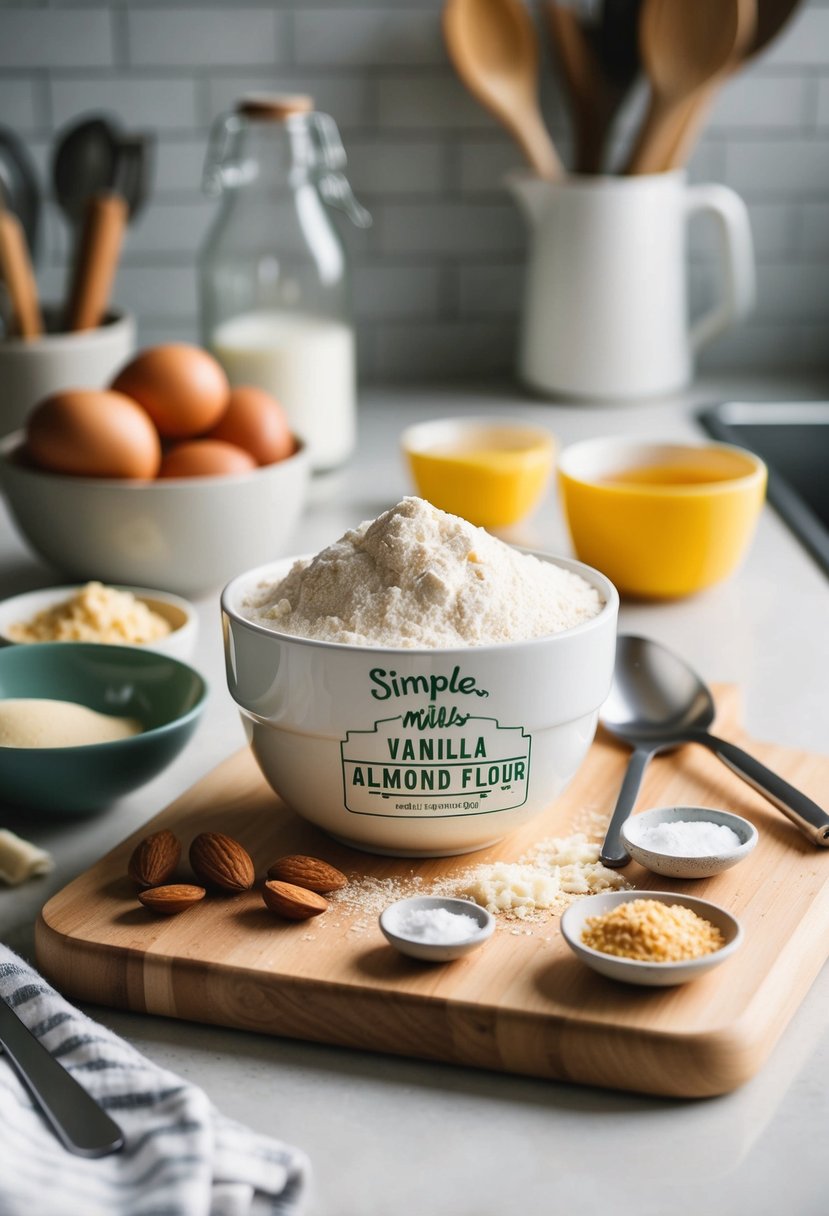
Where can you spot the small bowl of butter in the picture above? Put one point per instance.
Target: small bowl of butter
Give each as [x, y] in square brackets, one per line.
[95, 612]
[84, 724]
[491, 471]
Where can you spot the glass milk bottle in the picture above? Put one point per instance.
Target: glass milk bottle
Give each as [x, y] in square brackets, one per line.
[273, 275]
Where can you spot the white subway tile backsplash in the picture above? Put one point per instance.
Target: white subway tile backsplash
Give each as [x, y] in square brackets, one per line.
[823, 102]
[438, 279]
[367, 37]
[812, 228]
[756, 346]
[158, 292]
[388, 167]
[803, 41]
[387, 292]
[764, 102]
[781, 166]
[773, 229]
[17, 104]
[490, 291]
[450, 229]
[162, 103]
[155, 333]
[812, 349]
[38, 38]
[429, 102]
[451, 349]
[793, 290]
[178, 166]
[172, 230]
[482, 165]
[200, 37]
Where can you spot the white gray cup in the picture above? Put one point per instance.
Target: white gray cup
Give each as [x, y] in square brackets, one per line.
[32, 369]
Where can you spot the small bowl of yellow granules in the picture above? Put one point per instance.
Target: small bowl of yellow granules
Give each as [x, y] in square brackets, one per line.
[94, 612]
[654, 938]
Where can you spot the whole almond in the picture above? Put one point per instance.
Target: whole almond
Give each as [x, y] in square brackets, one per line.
[154, 859]
[222, 862]
[169, 901]
[291, 902]
[308, 872]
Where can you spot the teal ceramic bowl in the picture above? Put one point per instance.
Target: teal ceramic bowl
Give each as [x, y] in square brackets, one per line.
[164, 694]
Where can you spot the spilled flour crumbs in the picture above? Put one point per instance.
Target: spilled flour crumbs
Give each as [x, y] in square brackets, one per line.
[554, 873]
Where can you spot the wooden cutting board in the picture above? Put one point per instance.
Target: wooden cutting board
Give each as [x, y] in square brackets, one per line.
[523, 1003]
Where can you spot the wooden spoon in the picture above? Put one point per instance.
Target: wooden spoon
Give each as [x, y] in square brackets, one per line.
[686, 47]
[772, 15]
[493, 46]
[96, 262]
[16, 270]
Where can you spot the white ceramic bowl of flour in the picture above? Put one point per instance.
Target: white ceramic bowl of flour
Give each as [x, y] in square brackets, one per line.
[413, 751]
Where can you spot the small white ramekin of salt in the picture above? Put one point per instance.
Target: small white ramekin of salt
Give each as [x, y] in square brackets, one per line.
[688, 841]
[436, 929]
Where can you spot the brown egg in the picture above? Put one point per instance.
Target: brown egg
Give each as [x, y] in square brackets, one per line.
[205, 458]
[255, 421]
[182, 388]
[93, 433]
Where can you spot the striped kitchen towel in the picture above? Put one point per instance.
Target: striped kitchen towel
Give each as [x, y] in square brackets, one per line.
[181, 1156]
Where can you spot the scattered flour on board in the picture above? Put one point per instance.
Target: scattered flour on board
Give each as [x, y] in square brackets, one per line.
[417, 577]
[543, 881]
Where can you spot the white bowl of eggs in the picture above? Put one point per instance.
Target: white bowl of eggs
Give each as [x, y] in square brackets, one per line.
[169, 479]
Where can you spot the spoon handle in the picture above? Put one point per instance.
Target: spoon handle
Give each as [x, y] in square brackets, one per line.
[805, 814]
[613, 851]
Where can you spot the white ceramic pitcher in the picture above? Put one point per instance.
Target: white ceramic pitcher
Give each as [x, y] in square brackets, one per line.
[605, 306]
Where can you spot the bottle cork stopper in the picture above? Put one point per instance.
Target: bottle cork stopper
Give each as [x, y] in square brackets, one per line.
[274, 106]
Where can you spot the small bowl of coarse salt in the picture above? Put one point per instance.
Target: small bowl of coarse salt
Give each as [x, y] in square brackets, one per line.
[688, 841]
[436, 929]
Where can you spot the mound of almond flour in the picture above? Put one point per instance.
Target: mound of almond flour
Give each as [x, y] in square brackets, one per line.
[416, 577]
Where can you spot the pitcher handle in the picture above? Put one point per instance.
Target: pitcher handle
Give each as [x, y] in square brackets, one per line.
[739, 279]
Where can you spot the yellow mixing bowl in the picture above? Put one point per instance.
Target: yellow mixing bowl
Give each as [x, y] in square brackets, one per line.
[661, 520]
[491, 471]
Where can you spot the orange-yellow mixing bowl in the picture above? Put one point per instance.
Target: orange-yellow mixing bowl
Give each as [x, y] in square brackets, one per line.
[661, 520]
[491, 471]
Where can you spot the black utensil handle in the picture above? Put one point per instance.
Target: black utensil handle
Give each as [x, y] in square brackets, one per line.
[613, 851]
[805, 814]
[77, 1120]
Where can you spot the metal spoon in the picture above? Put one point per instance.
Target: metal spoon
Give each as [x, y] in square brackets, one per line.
[83, 164]
[493, 45]
[657, 702]
[19, 187]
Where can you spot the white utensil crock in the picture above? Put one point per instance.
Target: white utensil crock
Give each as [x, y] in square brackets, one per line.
[31, 370]
[605, 306]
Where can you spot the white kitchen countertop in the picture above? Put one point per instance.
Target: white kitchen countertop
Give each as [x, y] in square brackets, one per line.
[396, 1137]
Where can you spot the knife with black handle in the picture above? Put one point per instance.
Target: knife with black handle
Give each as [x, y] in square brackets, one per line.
[76, 1119]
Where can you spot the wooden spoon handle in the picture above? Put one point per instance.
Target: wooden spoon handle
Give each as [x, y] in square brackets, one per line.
[658, 137]
[96, 262]
[689, 126]
[16, 269]
[537, 146]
